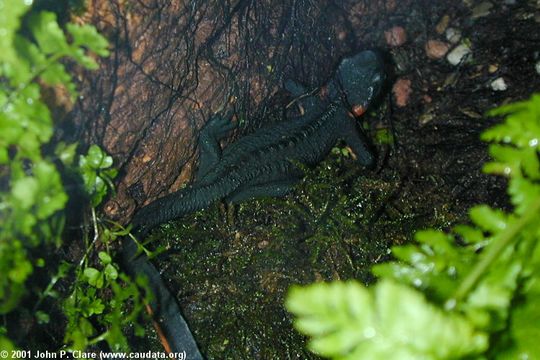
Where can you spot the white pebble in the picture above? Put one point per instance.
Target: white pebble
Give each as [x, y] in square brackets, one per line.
[499, 84]
[537, 67]
[459, 54]
[481, 10]
[453, 35]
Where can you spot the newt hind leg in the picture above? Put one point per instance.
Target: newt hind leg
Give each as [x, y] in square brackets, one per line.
[278, 185]
[271, 189]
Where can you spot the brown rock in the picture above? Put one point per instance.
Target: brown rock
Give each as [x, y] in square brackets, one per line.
[391, 5]
[493, 68]
[436, 49]
[263, 244]
[402, 91]
[481, 10]
[443, 24]
[395, 36]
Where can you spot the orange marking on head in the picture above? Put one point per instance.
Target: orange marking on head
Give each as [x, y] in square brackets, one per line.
[358, 110]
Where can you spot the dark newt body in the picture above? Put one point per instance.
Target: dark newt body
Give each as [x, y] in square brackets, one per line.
[263, 163]
[260, 164]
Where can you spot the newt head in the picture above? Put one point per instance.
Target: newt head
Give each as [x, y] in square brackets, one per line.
[358, 80]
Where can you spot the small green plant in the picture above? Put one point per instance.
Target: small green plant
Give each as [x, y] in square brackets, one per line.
[89, 300]
[472, 293]
[96, 298]
[97, 174]
[101, 293]
[35, 191]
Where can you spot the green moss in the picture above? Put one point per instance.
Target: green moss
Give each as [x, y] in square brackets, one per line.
[231, 273]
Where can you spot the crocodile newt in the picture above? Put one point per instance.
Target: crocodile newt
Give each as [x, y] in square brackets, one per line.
[263, 163]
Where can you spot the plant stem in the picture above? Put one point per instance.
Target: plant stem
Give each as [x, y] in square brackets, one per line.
[493, 251]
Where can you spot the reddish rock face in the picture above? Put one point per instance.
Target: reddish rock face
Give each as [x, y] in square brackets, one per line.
[149, 99]
[436, 49]
[402, 91]
[395, 36]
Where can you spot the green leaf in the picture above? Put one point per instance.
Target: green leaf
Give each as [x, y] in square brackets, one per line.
[24, 192]
[434, 265]
[110, 272]
[524, 329]
[5, 343]
[56, 74]
[521, 127]
[492, 297]
[471, 235]
[523, 193]
[42, 317]
[437, 240]
[91, 273]
[94, 168]
[95, 157]
[31, 60]
[347, 321]
[513, 161]
[94, 277]
[96, 307]
[104, 257]
[66, 153]
[335, 314]
[27, 122]
[49, 36]
[405, 314]
[98, 159]
[4, 156]
[80, 56]
[384, 136]
[51, 196]
[489, 219]
[10, 13]
[20, 271]
[87, 36]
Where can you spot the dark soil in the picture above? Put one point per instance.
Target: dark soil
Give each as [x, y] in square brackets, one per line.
[174, 65]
